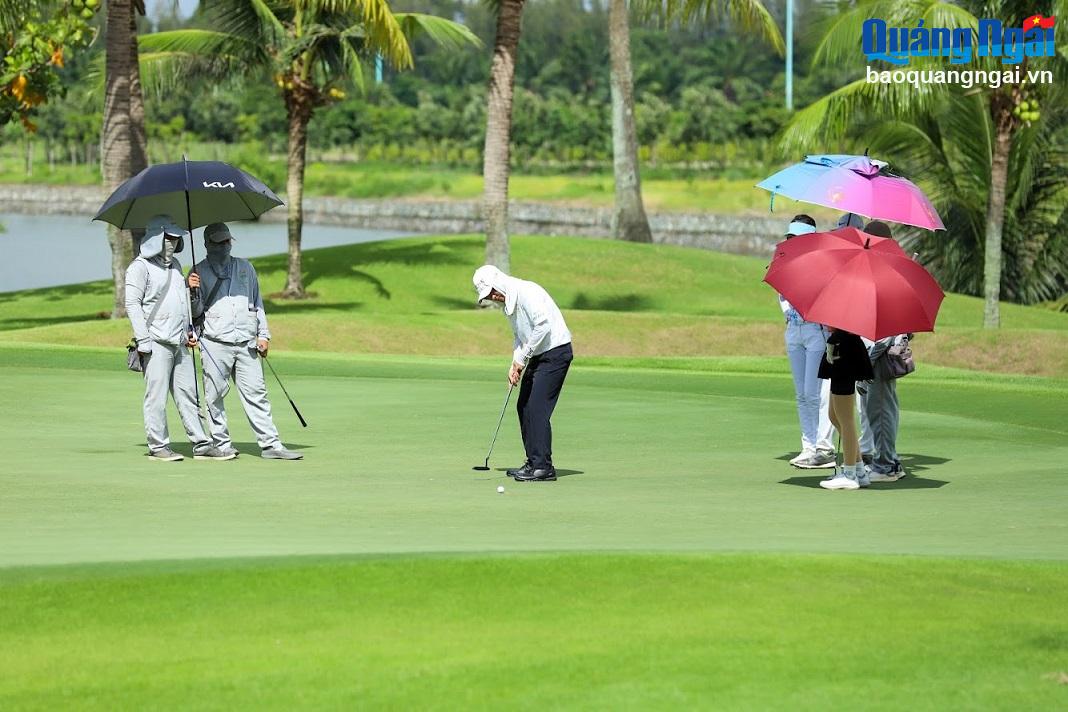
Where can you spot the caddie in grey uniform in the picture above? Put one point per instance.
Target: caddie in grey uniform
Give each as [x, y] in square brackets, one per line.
[234, 336]
[157, 305]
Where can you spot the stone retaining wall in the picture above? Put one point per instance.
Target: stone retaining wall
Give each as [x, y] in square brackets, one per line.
[724, 233]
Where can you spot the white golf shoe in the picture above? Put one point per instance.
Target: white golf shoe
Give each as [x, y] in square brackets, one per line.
[840, 481]
[803, 455]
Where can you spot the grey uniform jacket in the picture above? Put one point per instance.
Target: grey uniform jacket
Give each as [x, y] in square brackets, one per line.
[146, 284]
[235, 314]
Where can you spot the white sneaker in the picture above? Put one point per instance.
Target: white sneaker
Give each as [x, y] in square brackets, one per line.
[883, 477]
[840, 482]
[803, 455]
[863, 476]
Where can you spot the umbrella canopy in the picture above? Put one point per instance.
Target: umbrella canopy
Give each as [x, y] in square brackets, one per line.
[855, 184]
[193, 193]
[854, 281]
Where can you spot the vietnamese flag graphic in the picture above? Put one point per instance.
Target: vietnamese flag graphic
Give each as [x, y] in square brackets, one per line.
[1045, 23]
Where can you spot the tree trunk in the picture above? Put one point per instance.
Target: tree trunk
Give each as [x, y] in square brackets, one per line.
[116, 139]
[497, 153]
[995, 222]
[299, 117]
[139, 138]
[628, 216]
[29, 158]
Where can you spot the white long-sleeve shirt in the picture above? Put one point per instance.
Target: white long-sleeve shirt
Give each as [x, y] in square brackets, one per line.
[536, 322]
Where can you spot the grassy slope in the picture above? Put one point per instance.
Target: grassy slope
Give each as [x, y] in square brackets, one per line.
[413, 296]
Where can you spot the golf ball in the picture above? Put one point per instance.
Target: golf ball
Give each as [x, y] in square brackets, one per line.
[500, 489]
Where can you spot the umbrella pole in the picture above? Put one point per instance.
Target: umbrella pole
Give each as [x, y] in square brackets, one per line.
[188, 298]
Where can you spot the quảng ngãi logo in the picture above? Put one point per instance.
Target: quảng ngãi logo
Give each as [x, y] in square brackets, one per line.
[898, 45]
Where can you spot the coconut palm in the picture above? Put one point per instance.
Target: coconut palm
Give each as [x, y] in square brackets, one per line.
[123, 146]
[629, 221]
[496, 156]
[309, 49]
[975, 145]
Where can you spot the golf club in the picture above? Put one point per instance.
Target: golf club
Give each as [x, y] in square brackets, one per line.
[484, 467]
[303, 422]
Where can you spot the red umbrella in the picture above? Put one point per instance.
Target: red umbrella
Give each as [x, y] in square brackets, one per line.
[854, 281]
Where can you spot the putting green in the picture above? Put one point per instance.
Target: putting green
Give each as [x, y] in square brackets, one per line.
[266, 584]
[654, 460]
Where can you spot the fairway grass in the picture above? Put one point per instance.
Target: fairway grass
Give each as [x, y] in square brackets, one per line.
[535, 632]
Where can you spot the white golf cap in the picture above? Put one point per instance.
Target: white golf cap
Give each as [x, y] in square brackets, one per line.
[485, 277]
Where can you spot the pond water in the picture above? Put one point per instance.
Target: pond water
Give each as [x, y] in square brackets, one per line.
[53, 250]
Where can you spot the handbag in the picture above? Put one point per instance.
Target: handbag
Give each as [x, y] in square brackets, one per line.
[134, 360]
[899, 359]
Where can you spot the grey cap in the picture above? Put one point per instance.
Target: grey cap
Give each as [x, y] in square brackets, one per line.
[217, 232]
[164, 224]
[851, 220]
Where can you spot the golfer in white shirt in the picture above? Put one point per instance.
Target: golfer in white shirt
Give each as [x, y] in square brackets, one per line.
[540, 360]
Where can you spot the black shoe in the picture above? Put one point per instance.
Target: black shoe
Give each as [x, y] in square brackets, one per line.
[547, 474]
[525, 469]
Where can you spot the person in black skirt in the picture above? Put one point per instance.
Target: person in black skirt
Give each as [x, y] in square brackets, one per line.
[845, 362]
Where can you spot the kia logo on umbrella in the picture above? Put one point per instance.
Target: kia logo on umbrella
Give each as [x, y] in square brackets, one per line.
[217, 184]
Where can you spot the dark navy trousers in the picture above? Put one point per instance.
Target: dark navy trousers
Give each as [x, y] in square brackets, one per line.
[538, 392]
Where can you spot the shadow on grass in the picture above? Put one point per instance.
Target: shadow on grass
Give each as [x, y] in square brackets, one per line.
[253, 449]
[618, 302]
[283, 306]
[910, 482]
[454, 302]
[24, 323]
[560, 472]
[919, 463]
[55, 294]
[343, 261]
[186, 448]
[911, 462]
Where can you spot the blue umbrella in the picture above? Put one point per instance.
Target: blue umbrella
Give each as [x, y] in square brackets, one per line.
[855, 184]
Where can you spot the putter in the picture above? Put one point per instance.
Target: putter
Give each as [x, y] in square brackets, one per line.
[484, 467]
[299, 416]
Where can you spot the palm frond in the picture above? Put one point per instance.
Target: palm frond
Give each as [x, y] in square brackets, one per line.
[444, 33]
[827, 120]
[752, 15]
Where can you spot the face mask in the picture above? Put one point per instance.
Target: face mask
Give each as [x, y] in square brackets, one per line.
[168, 251]
[218, 251]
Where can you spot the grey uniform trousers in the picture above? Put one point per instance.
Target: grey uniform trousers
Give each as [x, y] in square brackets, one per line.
[242, 363]
[882, 411]
[170, 369]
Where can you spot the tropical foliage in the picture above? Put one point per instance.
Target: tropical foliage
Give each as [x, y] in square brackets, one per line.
[35, 41]
[310, 50]
[995, 173]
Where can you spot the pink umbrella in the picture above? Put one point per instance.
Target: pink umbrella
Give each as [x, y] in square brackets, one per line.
[855, 184]
[851, 280]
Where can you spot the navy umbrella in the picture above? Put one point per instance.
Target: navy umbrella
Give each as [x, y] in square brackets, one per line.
[193, 193]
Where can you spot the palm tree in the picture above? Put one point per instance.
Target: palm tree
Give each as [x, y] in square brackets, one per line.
[123, 146]
[992, 144]
[308, 48]
[629, 221]
[496, 156]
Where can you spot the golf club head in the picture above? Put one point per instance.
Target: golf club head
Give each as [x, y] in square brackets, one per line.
[480, 468]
